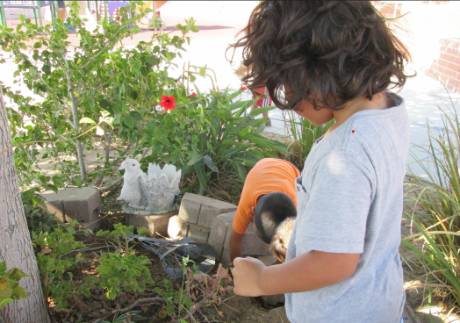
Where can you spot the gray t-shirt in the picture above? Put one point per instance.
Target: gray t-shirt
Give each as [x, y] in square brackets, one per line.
[351, 201]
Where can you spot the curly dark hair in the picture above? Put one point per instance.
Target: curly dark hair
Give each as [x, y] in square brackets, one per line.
[325, 52]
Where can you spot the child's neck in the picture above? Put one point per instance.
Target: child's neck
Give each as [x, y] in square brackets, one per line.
[378, 101]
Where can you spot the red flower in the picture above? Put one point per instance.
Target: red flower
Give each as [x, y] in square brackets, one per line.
[193, 94]
[168, 102]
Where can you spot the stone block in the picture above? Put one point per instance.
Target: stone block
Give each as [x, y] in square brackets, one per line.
[177, 228]
[189, 209]
[197, 233]
[156, 223]
[202, 210]
[221, 226]
[210, 208]
[251, 245]
[55, 207]
[81, 204]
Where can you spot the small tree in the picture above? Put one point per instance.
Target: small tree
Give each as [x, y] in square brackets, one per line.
[15, 243]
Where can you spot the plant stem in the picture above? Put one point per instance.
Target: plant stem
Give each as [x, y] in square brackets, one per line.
[78, 144]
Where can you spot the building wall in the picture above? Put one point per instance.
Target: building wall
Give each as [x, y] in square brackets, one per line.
[431, 32]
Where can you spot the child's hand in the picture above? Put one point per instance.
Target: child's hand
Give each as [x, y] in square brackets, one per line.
[247, 276]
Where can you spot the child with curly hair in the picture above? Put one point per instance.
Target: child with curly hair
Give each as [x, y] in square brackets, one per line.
[335, 60]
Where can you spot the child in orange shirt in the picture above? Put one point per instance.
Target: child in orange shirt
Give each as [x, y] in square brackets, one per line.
[268, 198]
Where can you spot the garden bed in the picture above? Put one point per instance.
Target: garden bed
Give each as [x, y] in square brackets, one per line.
[201, 302]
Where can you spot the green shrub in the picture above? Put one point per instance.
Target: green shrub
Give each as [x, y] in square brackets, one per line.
[177, 299]
[119, 235]
[211, 137]
[119, 273]
[57, 261]
[38, 219]
[90, 97]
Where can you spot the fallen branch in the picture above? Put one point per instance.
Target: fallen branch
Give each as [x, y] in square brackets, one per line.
[87, 249]
[140, 301]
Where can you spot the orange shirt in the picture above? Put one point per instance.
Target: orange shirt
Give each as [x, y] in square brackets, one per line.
[267, 176]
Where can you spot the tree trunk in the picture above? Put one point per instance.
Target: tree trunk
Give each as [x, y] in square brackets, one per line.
[15, 242]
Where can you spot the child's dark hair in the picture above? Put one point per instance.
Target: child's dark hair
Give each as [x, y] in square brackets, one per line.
[325, 52]
[271, 209]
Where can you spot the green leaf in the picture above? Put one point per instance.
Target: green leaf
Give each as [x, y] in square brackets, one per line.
[16, 274]
[86, 120]
[20, 292]
[210, 163]
[2, 268]
[196, 157]
[202, 71]
[6, 293]
[5, 301]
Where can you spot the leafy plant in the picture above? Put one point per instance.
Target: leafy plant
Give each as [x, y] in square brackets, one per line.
[211, 137]
[119, 235]
[57, 260]
[88, 97]
[38, 219]
[176, 300]
[436, 214]
[10, 290]
[120, 273]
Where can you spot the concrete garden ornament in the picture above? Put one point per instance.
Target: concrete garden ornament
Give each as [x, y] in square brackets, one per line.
[152, 192]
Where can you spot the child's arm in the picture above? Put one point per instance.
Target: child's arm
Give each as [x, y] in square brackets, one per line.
[309, 271]
[240, 224]
[235, 245]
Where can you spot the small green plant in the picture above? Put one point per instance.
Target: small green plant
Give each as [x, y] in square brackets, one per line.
[436, 214]
[38, 219]
[57, 259]
[10, 290]
[177, 301]
[119, 235]
[304, 135]
[174, 300]
[120, 273]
